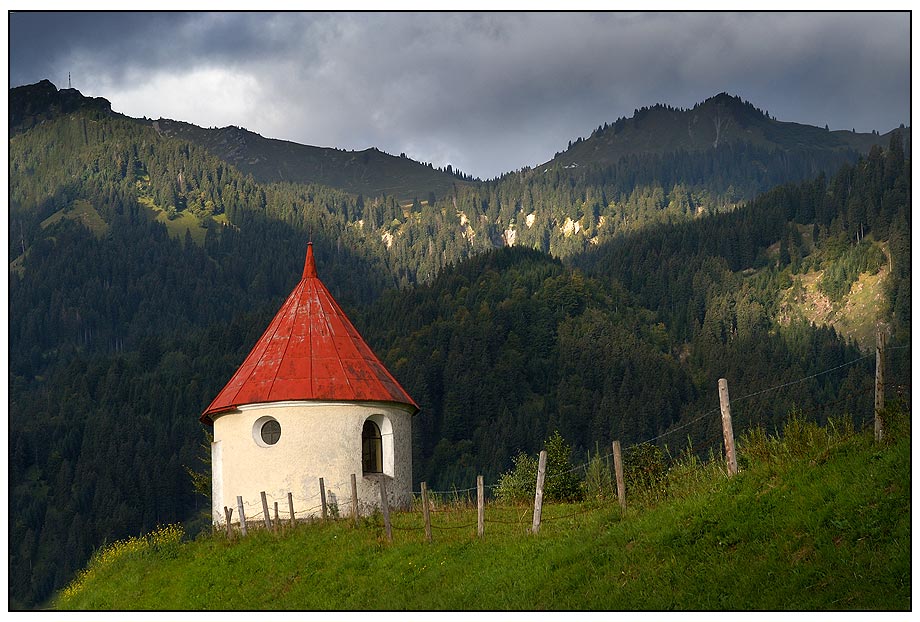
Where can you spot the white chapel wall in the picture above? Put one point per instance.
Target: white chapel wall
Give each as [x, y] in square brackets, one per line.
[318, 439]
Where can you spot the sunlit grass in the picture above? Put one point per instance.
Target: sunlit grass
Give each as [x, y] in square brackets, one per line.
[819, 519]
[80, 211]
[177, 226]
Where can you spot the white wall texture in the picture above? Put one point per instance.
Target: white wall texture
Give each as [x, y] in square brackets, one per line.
[318, 439]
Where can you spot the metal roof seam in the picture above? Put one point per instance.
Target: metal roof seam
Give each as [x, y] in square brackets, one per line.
[278, 316]
[232, 401]
[338, 355]
[310, 343]
[295, 298]
[373, 356]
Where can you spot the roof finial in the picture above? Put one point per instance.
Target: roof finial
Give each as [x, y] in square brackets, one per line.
[309, 267]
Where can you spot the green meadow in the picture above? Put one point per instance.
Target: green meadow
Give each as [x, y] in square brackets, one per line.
[817, 519]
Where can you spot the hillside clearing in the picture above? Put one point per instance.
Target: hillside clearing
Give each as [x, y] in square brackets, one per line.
[82, 212]
[854, 319]
[177, 226]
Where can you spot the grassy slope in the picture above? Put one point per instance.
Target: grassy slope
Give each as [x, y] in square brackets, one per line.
[829, 529]
[80, 211]
[184, 221]
[83, 212]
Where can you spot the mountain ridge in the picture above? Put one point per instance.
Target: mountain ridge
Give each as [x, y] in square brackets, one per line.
[656, 130]
[369, 172]
[31, 104]
[720, 119]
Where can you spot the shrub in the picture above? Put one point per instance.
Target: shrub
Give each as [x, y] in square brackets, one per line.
[754, 444]
[895, 421]
[560, 483]
[517, 485]
[840, 427]
[164, 541]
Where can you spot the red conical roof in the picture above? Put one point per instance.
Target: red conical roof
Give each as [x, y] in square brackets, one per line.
[310, 351]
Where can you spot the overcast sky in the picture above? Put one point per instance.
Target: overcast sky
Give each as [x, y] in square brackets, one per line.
[487, 93]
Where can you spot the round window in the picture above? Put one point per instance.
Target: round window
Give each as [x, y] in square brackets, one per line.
[271, 432]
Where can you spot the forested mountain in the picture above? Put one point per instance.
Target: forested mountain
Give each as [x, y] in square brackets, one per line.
[370, 172]
[143, 267]
[792, 229]
[661, 165]
[629, 340]
[720, 120]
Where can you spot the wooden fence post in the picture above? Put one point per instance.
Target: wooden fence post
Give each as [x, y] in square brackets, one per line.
[239, 506]
[618, 470]
[322, 496]
[268, 519]
[480, 507]
[879, 382]
[277, 520]
[228, 513]
[354, 497]
[291, 506]
[538, 496]
[426, 512]
[729, 436]
[385, 506]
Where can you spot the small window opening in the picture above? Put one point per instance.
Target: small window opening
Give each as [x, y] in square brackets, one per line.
[271, 432]
[371, 448]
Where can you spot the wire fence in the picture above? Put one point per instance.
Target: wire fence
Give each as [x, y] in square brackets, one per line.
[715, 439]
[459, 501]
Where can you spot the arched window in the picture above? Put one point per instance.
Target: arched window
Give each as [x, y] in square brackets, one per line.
[371, 448]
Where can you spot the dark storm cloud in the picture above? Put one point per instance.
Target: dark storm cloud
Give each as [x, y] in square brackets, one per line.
[485, 92]
[120, 43]
[41, 42]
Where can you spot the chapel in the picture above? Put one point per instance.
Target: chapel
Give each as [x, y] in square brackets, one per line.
[310, 401]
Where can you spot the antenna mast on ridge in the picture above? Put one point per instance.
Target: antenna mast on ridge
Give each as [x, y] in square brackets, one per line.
[68, 80]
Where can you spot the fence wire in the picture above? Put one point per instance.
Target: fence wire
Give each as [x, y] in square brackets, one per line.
[712, 441]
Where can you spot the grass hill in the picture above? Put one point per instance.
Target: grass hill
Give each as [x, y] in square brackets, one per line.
[82, 212]
[818, 519]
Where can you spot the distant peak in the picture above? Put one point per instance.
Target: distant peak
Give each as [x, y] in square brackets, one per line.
[723, 96]
[42, 88]
[31, 103]
[726, 99]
